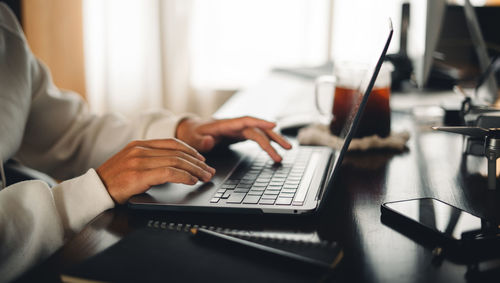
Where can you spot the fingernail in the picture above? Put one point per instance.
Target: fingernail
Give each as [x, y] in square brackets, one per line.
[212, 170]
[201, 157]
[208, 176]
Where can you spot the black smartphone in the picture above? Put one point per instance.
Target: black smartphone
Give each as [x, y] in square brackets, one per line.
[449, 225]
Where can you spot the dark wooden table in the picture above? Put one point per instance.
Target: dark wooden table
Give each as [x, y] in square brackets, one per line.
[432, 166]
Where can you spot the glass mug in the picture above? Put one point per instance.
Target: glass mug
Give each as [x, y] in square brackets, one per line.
[346, 82]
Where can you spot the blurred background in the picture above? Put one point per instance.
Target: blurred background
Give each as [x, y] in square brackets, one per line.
[192, 55]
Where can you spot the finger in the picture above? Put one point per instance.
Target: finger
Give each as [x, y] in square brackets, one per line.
[260, 138]
[279, 139]
[150, 153]
[163, 175]
[203, 143]
[222, 127]
[196, 162]
[255, 122]
[191, 168]
[168, 144]
[194, 167]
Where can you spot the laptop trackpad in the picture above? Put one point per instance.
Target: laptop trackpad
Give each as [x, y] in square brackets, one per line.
[199, 194]
[178, 193]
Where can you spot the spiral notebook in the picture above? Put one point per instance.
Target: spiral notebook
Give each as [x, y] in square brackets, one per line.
[165, 251]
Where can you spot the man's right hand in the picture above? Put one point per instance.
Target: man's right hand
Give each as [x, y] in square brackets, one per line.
[142, 164]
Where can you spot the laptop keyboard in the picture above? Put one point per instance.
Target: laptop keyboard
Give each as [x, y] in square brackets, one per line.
[264, 182]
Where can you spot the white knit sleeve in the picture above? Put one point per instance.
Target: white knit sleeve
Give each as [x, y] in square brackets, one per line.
[35, 220]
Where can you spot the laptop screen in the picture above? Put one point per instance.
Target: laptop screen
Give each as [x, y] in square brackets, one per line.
[365, 86]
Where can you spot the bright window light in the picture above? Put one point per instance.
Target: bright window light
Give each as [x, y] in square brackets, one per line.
[236, 43]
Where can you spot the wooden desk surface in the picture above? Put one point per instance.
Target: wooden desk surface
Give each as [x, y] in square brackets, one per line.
[433, 166]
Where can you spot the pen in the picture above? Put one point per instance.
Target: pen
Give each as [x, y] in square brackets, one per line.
[201, 232]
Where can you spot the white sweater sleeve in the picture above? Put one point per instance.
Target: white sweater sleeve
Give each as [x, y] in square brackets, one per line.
[35, 219]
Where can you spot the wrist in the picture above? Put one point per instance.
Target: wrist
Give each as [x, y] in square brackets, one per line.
[111, 193]
[182, 127]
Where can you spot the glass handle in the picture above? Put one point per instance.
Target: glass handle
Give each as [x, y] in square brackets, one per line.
[317, 84]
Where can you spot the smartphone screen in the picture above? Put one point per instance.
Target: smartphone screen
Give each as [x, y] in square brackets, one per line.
[437, 215]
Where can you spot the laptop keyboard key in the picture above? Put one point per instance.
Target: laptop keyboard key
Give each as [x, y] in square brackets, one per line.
[283, 201]
[228, 186]
[273, 188]
[226, 195]
[236, 198]
[244, 186]
[267, 201]
[272, 193]
[257, 189]
[286, 195]
[279, 177]
[250, 177]
[214, 200]
[251, 199]
[231, 182]
[266, 196]
[292, 183]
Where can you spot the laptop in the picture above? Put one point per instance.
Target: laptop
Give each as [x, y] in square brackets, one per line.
[248, 181]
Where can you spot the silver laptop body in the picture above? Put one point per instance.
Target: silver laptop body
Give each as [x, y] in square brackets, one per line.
[236, 186]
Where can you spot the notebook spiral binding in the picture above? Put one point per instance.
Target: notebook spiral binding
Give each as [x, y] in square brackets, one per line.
[258, 236]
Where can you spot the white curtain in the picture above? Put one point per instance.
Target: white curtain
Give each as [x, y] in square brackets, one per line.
[183, 54]
[355, 26]
[236, 42]
[137, 55]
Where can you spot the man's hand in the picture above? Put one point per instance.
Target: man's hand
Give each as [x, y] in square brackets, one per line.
[142, 164]
[203, 136]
